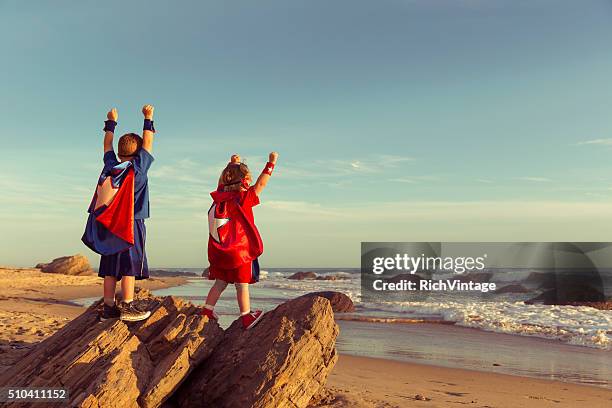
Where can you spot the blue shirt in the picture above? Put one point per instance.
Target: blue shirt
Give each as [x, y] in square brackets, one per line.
[142, 162]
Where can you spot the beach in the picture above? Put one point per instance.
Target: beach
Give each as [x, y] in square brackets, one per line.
[33, 305]
[363, 382]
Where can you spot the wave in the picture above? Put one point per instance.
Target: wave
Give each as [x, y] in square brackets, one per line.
[378, 319]
[577, 325]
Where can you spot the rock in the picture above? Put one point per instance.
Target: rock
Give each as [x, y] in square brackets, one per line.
[69, 265]
[542, 280]
[303, 275]
[282, 362]
[170, 274]
[340, 302]
[114, 364]
[205, 273]
[40, 265]
[476, 277]
[578, 293]
[513, 288]
[332, 277]
[325, 397]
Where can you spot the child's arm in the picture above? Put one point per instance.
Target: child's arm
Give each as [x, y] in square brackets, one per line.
[148, 131]
[263, 178]
[109, 129]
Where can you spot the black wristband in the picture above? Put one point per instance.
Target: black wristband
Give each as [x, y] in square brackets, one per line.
[109, 126]
[148, 125]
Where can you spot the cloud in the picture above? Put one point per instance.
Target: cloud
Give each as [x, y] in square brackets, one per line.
[535, 179]
[600, 142]
[184, 170]
[21, 195]
[335, 168]
[417, 211]
[388, 160]
[305, 208]
[414, 179]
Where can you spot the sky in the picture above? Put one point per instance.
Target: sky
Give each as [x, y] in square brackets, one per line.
[395, 120]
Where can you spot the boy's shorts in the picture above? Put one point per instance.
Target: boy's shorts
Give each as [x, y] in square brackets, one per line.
[247, 273]
[132, 262]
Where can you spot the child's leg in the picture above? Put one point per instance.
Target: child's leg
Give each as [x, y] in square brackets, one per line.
[127, 288]
[244, 301]
[110, 282]
[215, 293]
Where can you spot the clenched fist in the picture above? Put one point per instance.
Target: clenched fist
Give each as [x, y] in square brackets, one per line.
[147, 111]
[235, 158]
[112, 114]
[273, 157]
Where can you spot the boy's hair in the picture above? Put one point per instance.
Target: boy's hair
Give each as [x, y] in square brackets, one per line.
[232, 176]
[129, 144]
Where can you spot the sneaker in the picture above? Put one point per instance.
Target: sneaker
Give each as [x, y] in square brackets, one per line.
[108, 312]
[209, 313]
[250, 319]
[131, 313]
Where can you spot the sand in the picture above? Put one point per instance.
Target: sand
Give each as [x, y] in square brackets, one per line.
[33, 305]
[362, 382]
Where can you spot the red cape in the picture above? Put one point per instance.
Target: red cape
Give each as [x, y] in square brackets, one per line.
[233, 238]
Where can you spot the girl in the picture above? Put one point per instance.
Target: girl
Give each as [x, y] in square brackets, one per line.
[234, 243]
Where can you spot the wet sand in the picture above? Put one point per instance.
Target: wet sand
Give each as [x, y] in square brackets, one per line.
[462, 347]
[361, 382]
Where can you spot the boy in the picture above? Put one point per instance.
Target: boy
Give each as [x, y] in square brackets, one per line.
[116, 227]
[234, 243]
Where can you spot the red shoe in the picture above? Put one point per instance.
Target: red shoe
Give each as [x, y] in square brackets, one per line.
[209, 313]
[249, 320]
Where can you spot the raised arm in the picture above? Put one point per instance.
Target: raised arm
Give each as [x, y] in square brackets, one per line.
[148, 131]
[263, 178]
[109, 129]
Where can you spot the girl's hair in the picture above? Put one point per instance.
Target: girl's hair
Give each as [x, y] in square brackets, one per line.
[232, 176]
[129, 144]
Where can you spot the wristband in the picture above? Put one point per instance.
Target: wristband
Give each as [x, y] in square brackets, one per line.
[268, 169]
[109, 126]
[148, 125]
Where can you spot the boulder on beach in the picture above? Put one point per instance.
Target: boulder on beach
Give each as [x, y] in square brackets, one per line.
[575, 294]
[114, 364]
[475, 277]
[303, 275]
[340, 302]
[68, 265]
[164, 273]
[541, 280]
[205, 272]
[282, 362]
[512, 288]
[332, 277]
